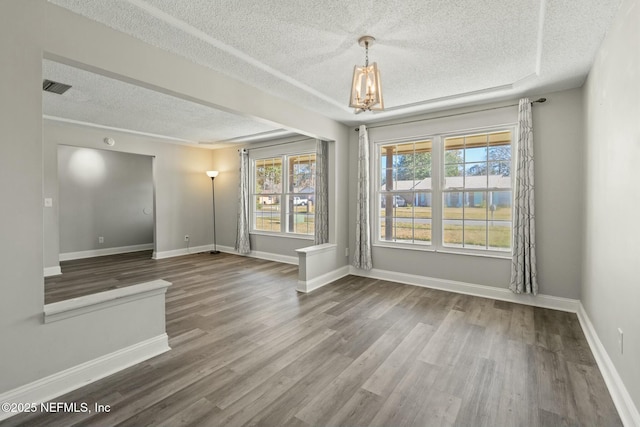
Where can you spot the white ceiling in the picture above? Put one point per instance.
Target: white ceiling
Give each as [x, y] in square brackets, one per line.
[432, 54]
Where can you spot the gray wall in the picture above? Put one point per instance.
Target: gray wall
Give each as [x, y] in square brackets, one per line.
[227, 162]
[182, 189]
[610, 291]
[557, 136]
[104, 194]
[30, 349]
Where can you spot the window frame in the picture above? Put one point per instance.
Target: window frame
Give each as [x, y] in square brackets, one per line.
[377, 192]
[437, 190]
[301, 149]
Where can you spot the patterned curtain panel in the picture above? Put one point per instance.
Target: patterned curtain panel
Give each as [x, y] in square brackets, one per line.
[243, 245]
[321, 234]
[523, 265]
[362, 257]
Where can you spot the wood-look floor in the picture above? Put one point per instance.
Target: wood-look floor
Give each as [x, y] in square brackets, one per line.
[249, 350]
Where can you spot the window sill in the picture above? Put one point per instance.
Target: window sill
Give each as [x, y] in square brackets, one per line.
[285, 235]
[390, 245]
[432, 249]
[495, 255]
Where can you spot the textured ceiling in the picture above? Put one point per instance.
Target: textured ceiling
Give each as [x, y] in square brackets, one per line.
[99, 100]
[432, 54]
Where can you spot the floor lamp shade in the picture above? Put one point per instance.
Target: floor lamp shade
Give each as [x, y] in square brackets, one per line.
[212, 175]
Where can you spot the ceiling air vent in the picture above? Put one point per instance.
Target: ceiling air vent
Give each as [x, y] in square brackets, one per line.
[54, 87]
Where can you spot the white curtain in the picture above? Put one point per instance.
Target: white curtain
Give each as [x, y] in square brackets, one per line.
[362, 256]
[321, 234]
[523, 265]
[243, 245]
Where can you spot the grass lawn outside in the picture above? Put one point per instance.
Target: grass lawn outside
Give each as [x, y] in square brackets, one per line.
[499, 237]
[501, 213]
[269, 219]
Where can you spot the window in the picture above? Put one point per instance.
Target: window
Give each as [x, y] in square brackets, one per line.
[405, 192]
[446, 191]
[283, 192]
[476, 193]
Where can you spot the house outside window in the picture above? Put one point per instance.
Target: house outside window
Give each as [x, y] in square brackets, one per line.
[283, 194]
[446, 192]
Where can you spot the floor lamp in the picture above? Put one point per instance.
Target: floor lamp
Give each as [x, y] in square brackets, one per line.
[212, 175]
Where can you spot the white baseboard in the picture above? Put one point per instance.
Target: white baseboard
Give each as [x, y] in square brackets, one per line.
[78, 376]
[181, 252]
[52, 271]
[540, 300]
[624, 404]
[68, 256]
[227, 249]
[320, 281]
[286, 259]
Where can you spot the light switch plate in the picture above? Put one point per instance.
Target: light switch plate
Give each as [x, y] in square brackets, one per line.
[48, 202]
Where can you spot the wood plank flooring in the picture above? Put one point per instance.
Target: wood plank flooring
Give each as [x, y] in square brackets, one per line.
[248, 350]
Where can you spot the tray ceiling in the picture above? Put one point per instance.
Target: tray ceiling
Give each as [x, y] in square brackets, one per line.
[431, 54]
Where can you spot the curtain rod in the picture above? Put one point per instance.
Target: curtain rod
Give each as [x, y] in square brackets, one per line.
[275, 145]
[540, 100]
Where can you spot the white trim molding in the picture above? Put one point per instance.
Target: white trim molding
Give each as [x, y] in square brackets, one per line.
[540, 300]
[88, 303]
[68, 256]
[619, 394]
[181, 252]
[306, 286]
[286, 259]
[52, 271]
[78, 376]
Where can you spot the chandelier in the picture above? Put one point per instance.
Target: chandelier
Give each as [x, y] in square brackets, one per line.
[366, 89]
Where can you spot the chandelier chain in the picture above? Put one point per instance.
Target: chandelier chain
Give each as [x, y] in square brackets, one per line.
[366, 55]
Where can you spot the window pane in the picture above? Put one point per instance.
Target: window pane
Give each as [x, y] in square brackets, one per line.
[405, 217]
[454, 176]
[454, 143]
[452, 235]
[499, 235]
[266, 216]
[475, 154]
[500, 205]
[300, 213]
[500, 220]
[302, 173]
[475, 234]
[500, 175]
[480, 140]
[422, 217]
[422, 200]
[453, 202]
[475, 175]
[475, 205]
[500, 138]
[502, 152]
[404, 205]
[268, 174]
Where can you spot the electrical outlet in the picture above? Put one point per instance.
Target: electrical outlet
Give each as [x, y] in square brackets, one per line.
[621, 340]
[100, 239]
[346, 251]
[186, 237]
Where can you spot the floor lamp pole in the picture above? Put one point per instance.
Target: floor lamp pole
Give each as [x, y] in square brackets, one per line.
[213, 201]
